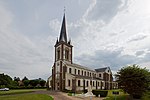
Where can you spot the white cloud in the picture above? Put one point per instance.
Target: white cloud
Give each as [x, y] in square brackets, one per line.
[20, 55]
[105, 28]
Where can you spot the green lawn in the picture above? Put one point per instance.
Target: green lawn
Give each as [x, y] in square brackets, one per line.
[146, 96]
[19, 91]
[26, 97]
[121, 96]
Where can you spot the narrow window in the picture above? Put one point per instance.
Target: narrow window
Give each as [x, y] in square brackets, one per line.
[99, 75]
[78, 72]
[75, 71]
[82, 72]
[78, 82]
[67, 54]
[85, 73]
[70, 70]
[93, 83]
[87, 83]
[58, 54]
[68, 82]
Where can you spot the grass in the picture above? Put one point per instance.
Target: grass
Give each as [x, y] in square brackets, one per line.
[121, 96]
[18, 91]
[26, 97]
[146, 96]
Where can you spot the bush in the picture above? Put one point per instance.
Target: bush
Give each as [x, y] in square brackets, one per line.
[67, 91]
[137, 96]
[101, 92]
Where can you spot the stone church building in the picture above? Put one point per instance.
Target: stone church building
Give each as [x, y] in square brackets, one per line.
[68, 75]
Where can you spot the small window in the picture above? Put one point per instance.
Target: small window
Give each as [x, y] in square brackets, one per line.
[87, 83]
[68, 82]
[85, 73]
[82, 72]
[75, 71]
[58, 54]
[78, 72]
[67, 54]
[78, 82]
[88, 73]
[99, 75]
[93, 83]
[70, 70]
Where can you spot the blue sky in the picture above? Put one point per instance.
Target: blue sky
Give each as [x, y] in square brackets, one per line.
[104, 33]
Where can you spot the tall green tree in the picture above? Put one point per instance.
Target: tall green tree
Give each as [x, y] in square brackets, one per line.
[133, 80]
[42, 83]
[25, 78]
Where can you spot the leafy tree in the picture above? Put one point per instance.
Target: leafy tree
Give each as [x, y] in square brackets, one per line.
[6, 81]
[25, 78]
[42, 82]
[26, 82]
[16, 79]
[133, 80]
[34, 82]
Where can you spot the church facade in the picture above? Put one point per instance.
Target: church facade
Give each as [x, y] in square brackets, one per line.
[66, 75]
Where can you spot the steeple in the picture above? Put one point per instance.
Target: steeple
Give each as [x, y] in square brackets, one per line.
[63, 34]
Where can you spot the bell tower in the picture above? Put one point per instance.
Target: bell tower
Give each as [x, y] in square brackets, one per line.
[63, 53]
[63, 47]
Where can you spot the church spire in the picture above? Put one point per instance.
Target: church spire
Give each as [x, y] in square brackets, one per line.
[63, 34]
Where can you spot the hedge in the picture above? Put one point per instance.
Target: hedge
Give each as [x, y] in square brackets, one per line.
[100, 92]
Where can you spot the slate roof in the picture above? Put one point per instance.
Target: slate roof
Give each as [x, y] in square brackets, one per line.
[101, 69]
[78, 66]
[63, 34]
[86, 77]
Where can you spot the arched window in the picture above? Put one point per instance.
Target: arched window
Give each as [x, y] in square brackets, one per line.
[67, 54]
[93, 83]
[70, 71]
[58, 54]
[87, 83]
[75, 71]
[78, 82]
[99, 75]
[85, 73]
[78, 72]
[68, 82]
[88, 73]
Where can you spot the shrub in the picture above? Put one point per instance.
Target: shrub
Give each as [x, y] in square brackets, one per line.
[68, 91]
[101, 92]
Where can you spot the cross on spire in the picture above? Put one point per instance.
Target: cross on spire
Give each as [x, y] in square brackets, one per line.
[64, 9]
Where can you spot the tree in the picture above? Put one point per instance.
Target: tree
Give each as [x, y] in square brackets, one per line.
[26, 82]
[34, 82]
[133, 80]
[42, 83]
[25, 78]
[6, 81]
[16, 79]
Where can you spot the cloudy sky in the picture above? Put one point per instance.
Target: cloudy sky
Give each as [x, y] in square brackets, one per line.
[104, 33]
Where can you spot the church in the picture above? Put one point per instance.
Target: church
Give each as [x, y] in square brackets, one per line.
[66, 75]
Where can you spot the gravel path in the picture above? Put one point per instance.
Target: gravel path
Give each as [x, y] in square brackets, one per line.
[64, 96]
